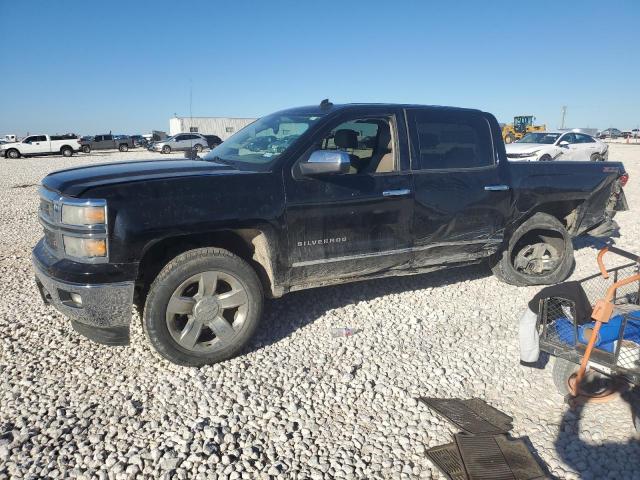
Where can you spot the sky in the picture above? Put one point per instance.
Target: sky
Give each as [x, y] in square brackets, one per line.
[127, 67]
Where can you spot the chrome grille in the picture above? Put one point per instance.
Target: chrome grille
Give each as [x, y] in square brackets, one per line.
[51, 239]
[46, 209]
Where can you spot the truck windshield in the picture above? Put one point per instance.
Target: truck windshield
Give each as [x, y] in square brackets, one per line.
[547, 138]
[261, 142]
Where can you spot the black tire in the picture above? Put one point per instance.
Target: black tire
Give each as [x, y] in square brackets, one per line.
[166, 149]
[124, 147]
[197, 147]
[86, 149]
[509, 139]
[595, 157]
[12, 153]
[66, 151]
[545, 158]
[562, 371]
[168, 283]
[540, 230]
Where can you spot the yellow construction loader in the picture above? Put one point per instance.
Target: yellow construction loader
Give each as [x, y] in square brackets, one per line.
[521, 124]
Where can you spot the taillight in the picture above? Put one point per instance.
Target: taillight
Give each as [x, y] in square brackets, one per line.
[623, 179]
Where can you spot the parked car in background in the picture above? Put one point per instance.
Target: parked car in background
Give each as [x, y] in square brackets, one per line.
[180, 142]
[105, 142]
[610, 133]
[635, 133]
[41, 145]
[213, 140]
[545, 146]
[138, 141]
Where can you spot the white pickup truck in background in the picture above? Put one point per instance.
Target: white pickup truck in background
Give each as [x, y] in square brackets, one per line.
[64, 145]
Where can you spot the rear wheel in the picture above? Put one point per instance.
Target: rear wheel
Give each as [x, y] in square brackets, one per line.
[86, 149]
[166, 149]
[66, 151]
[539, 252]
[124, 147]
[203, 307]
[197, 147]
[13, 153]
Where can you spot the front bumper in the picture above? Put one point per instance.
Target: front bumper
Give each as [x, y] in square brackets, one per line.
[103, 316]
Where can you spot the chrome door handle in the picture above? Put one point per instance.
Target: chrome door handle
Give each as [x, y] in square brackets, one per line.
[496, 188]
[396, 193]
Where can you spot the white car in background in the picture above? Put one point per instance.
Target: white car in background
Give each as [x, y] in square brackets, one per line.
[546, 146]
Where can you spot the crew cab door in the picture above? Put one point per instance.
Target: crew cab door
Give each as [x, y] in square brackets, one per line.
[35, 144]
[462, 192]
[108, 142]
[357, 223]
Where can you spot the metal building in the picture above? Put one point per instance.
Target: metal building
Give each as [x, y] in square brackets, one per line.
[223, 127]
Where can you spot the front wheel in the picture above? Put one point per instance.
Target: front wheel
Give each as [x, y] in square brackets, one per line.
[509, 139]
[166, 149]
[545, 158]
[86, 149]
[198, 147]
[203, 307]
[539, 252]
[13, 153]
[124, 147]
[595, 157]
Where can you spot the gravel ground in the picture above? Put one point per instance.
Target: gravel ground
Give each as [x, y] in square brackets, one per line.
[298, 403]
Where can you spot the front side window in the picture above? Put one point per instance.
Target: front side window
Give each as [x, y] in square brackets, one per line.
[567, 137]
[443, 140]
[263, 141]
[368, 141]
[29, 139]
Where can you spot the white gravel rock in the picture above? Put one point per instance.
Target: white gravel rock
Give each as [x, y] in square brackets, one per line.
[299, 403]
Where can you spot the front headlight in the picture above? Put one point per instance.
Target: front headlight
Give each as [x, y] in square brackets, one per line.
[83, 214]
[84, 247]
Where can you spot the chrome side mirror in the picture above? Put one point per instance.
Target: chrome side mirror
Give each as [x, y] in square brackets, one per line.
[326, 162]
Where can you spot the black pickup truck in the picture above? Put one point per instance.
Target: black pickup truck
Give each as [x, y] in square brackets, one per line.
[302, 198]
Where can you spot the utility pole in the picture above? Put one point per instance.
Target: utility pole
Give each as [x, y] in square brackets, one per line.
[564, 113]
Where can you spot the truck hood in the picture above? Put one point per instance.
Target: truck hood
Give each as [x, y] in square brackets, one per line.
[525, 147]
[74, 181]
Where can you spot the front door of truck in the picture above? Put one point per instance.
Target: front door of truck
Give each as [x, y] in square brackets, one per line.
[356, 223]
[462, 192]
[36, 144]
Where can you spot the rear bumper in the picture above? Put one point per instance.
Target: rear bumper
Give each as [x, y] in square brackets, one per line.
[104, 314]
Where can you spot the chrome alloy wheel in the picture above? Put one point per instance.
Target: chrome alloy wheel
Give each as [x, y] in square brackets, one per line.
[207, 311]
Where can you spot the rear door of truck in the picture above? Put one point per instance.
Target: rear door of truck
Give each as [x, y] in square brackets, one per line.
[461, 182]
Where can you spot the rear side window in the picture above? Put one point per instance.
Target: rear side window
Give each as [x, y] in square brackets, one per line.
[580, 138]
[108, 137]
[449, 140]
